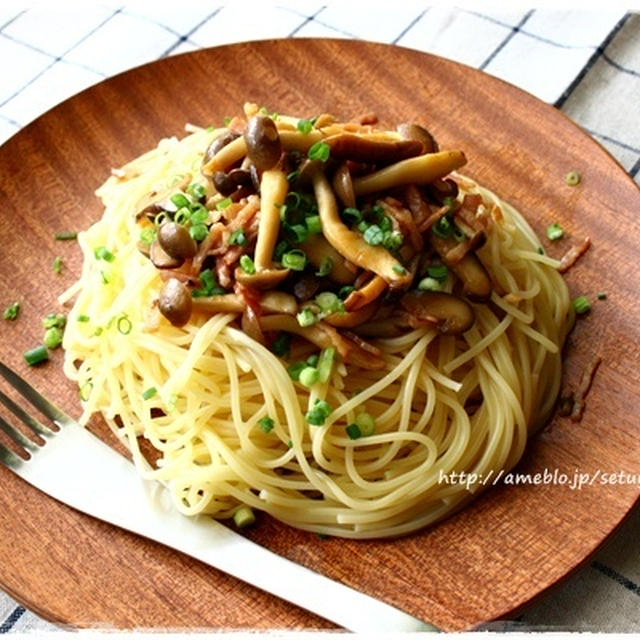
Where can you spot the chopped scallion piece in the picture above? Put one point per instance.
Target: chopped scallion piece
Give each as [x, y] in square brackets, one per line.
[180, 200]
[325, 363]
[281, 345]
[308, 376]
[345, 291]
[266, 424]
[244, 517]
[295, 369]
[297, 233]
[325, 267]
[238, 237]
[124, 325]
[149, 393]
[353, 431]
[199, 232]
[366, 423]
[57, 265]
[182, 216]
[197, 190]
[85, 391]
[223, 204]
[351, 215]
[429, 284]
[602, 296]
[319, 151]
[572, 178]
[52, 338]
[306, 317]
[314, 225]
[541, 251]
[392, 240]
[443, 228]
[319, 413]
[373, 235]
[12, 311]
[555, 231]
[438, 271]
[458, 234]
[304, 125]
[83, 318]
[328, 301]
[36, 355]
[147, 236]
[581, 305]
[399, 269]
[102, 253]
[199, 214]
[246, 264]
[54, 320]
[66, 235]
[313, 359]
[294, 259]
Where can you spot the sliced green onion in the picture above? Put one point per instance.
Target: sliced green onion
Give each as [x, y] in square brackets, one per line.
[180, 200]
[281, 345]
[362, 226]
[429, 284]
[281, 248]
[238, 237]
[373, 235]
[102, 253]
[314, 224]
[197, 190]
[399, 269]
[246, 264]
[458, 234]
[351, 215]
[266, 424]
[572, 178]
[67, 235]
[602, 296]
[319, 413]
[319, 151]
[581, 305]
[149, 393]
[308, 376]
[85, 391]
[12, 311]
[52, 338]
[541, 251]
[313, 360]
[223, 204]
[57, 264]
[328, 301]
[392, 240]
[304, 125]
[297, 233]
[294, 259]
[182, 216]
[36, 355]
[293, 175]
[147, 236]
[384, 221]
[54, 320]
[207, 280]
[443, 228]
[160, 219]
[199, 214]
[306, 317]
[353, 431]
[345, 291]
[366, 423]
[244, 517]
[438, 271]
[199, 232]
[325, 363]
[555, 231]
[294, 370]
[325, 267]
[83, 318]
[124, 325]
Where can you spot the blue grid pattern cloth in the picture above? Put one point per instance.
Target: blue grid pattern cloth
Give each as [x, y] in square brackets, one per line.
[584, 62]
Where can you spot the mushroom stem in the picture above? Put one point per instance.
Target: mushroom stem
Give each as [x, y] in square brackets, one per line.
[418, 170]
[351, 245]
[273, 191]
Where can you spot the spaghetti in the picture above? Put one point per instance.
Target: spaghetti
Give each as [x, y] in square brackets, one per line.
[413, 388]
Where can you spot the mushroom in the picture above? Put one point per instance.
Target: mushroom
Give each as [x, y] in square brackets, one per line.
[318, 249]
[270, 302]
[159, 200]
[273, 188]
[161, 259]
[476, 283]
[351, 245]
[263, 142]
[217, 144]
[176, 241]
[419, 170]
[451, 315]
[362, 148]
[366, 294]
[352, 319]
[412, 131]
[343, 185]
[174, 302]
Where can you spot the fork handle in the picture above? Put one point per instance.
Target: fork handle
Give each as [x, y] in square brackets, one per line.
[106, 485]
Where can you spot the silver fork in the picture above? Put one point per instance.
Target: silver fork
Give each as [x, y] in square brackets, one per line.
[118, 495]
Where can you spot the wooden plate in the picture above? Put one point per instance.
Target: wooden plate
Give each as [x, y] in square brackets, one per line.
[486, 562]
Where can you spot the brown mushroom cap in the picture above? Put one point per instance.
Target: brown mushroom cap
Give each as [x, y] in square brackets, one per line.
[263, 142]
[176, 241]
[412, 131]
[174, 302]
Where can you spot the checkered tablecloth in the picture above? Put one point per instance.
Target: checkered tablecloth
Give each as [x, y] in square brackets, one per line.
[584, 62]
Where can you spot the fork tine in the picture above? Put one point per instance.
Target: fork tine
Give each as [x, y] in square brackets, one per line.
[8, 458]
[16, 436]
[34, 397]
[35, 425]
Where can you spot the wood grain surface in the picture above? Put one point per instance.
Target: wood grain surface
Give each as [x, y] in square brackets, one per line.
[488, 561]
